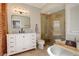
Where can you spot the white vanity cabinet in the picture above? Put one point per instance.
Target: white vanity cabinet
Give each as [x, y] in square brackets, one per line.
[20, 42]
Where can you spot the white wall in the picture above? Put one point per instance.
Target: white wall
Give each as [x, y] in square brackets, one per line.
[34, 15]
[72, 21]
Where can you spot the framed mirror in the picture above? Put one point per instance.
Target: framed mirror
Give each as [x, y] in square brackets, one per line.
[19, 21]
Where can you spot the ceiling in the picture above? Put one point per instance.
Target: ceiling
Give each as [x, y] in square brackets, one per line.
[48, 7]
[38, 5]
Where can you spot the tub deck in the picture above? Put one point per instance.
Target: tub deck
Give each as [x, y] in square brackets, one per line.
[68, 48]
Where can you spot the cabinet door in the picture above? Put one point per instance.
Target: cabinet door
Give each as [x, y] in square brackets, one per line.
[33, 38]
[25, 42]
[19, 42]
[32, 41]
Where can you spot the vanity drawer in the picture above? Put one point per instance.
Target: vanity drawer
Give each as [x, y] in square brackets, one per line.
[11, 51]
[11, 45]
[11, 42]
[11, 48]
[11, 36]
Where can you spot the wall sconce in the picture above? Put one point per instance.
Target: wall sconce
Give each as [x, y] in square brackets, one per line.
[20, 11]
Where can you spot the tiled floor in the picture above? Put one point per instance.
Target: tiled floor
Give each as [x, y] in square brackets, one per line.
[36, 52]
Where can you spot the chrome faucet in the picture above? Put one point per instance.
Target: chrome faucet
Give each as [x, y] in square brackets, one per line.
[21, 31]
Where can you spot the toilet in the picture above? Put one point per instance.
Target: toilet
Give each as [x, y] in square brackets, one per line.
[41, 44]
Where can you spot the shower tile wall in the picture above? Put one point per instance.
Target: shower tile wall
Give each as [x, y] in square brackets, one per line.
[47, 22]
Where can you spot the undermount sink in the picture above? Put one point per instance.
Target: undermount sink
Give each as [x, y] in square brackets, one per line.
[59, 51]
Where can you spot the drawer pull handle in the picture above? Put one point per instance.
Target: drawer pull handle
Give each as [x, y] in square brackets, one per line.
[11, 37]
[11, 46]
[11, 42]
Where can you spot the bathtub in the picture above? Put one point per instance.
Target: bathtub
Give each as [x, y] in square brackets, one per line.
[55, 50]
